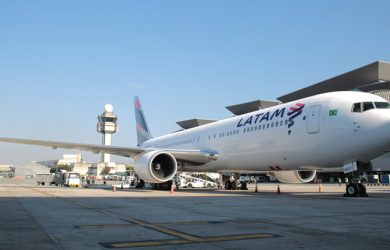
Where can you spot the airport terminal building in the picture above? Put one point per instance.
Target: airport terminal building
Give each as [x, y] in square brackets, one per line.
[373, 78]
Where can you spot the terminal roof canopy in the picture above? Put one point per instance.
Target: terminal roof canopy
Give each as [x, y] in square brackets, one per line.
[373, 76]
[187, 124]
[243, 108]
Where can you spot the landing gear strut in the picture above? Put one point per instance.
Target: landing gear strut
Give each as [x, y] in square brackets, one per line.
[233, 183]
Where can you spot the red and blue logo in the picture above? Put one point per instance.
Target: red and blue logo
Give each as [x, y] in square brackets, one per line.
[294, 112]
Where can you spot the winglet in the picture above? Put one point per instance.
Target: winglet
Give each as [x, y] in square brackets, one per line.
[143, 132]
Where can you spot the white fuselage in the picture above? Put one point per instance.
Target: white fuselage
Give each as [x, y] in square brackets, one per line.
[317, 132]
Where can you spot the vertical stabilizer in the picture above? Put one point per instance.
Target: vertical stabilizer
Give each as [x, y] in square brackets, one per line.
[143, 132]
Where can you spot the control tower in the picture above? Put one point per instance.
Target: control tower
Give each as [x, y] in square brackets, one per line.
[107, 126]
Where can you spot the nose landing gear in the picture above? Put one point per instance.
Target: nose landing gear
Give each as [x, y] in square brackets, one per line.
[355, 190]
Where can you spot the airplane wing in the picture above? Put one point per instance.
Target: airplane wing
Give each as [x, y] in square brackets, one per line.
[193, 157]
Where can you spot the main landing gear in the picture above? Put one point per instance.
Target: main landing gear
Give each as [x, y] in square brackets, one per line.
[233, 183]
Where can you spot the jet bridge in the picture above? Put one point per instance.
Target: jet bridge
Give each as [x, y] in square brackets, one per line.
[373, 78]
[192, 123]
[247, 107]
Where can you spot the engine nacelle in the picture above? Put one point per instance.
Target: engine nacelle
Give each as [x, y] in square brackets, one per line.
[156, 167]
[301, 176]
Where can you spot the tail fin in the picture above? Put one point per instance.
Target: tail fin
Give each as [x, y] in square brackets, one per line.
[143, 132]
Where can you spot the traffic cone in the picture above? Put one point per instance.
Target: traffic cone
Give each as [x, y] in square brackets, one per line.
[320, 188]
[278, 192]
[172, 191]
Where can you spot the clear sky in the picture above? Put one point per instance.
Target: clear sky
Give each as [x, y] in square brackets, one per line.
[61, 61]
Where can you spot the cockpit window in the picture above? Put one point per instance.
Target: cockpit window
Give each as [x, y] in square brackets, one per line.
[364, 106]
[368, 106]
[382, 105]
[357, 107]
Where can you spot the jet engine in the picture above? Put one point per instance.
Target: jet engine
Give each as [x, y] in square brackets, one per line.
[156, 167]
[294, 176]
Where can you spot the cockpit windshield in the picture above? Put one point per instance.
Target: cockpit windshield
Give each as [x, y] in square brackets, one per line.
[382, 105]
[364, 106]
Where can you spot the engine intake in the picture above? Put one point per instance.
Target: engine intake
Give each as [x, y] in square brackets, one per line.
[294, 176]
[156, 167]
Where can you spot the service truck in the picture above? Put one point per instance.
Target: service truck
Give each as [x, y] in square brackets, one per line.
[45, 179]
[72, 180]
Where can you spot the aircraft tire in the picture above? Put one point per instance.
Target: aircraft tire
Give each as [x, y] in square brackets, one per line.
[363, 190]
[228, 185]
[244, 185]
[352, 189]
[234, 185]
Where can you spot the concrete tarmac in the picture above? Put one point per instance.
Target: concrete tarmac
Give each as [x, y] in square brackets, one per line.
[301, 217]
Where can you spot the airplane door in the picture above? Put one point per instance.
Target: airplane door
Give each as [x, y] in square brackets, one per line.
[313, 119]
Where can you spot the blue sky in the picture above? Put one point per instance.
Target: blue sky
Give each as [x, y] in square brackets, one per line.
[61, 61]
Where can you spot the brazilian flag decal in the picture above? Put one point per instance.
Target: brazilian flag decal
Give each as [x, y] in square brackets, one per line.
[333, 112]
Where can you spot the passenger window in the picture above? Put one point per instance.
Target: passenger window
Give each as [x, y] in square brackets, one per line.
[267, 125]
[276, 124]
[357, 108]
[368, 106]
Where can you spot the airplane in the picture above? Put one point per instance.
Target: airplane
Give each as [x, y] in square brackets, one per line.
[292, 140]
